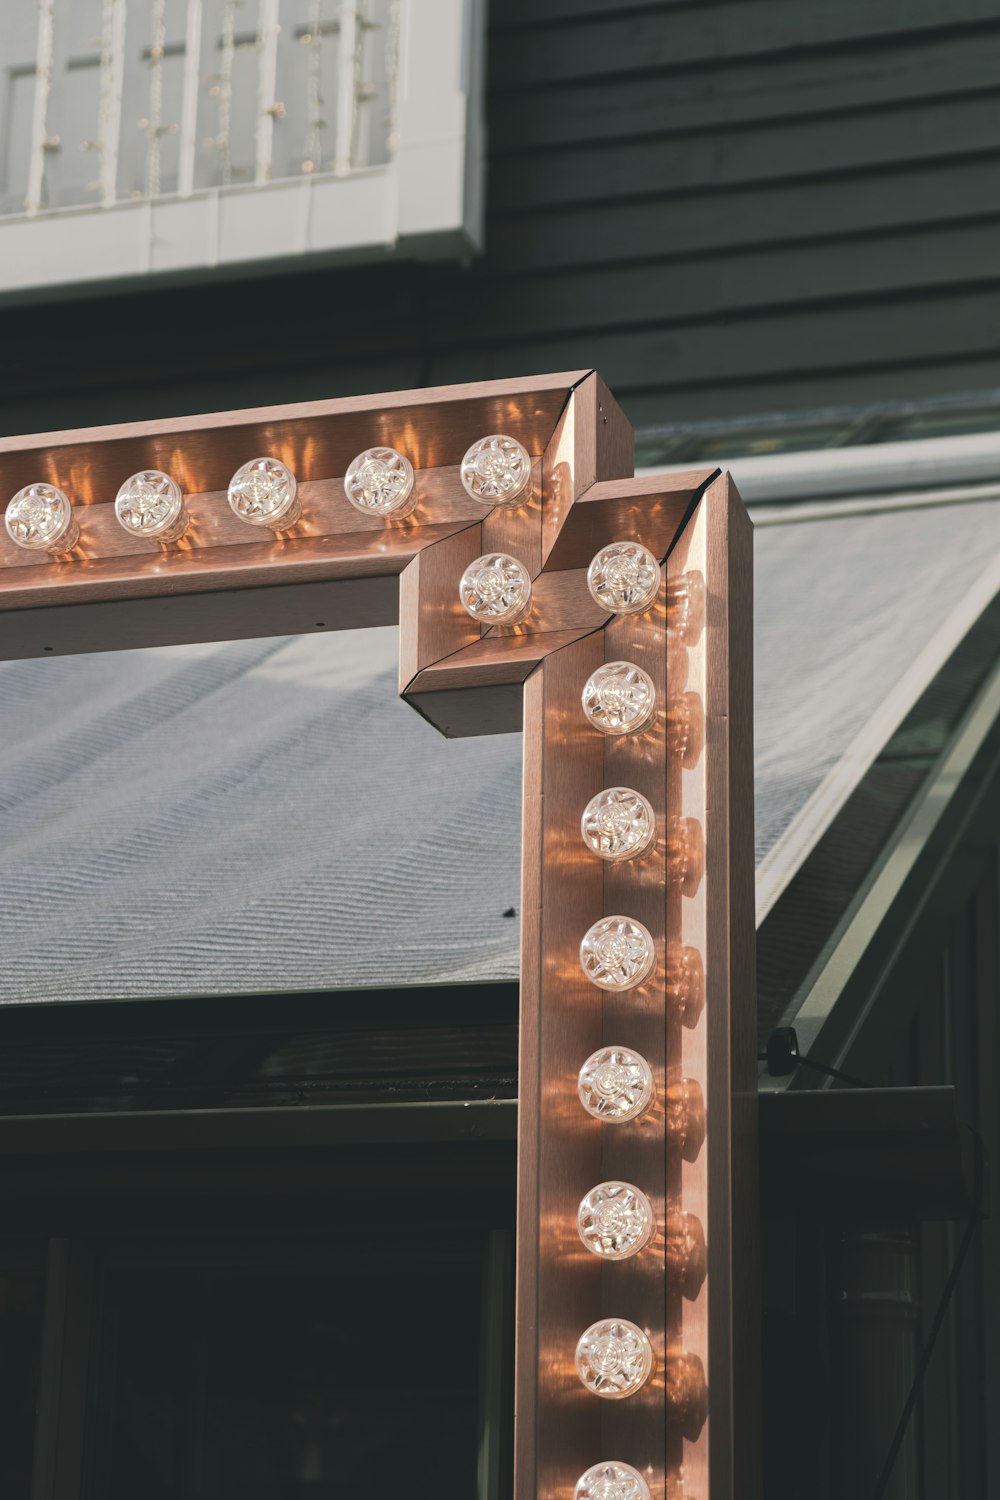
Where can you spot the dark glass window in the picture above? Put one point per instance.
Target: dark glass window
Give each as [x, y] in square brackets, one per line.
[322, 1371]
[21, 1293]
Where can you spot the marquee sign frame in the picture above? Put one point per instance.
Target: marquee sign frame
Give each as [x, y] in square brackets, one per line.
[693, 1429]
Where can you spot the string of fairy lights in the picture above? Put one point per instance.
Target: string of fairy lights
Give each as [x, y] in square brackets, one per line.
[614, 1357]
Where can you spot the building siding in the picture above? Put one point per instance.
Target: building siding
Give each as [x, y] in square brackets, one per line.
[728, 208]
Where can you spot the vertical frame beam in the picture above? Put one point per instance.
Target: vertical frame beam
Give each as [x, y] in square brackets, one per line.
[692, 1429]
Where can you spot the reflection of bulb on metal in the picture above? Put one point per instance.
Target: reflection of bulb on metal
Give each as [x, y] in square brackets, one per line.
[686, 729]
[616, 1084]
[263, 492]
[380, 482]
[41, 518]
[686, 1252]
[614, 1358]
[611, 1480]
[497, 471]
[619, 698]
[686, 606]
[685, 984]
[615, 1220]
[686, 1392]
[685, 1116]
[496, 589]
[624, 578]
[151, 504]
[618, 824]
[685, 854]
[617, 953]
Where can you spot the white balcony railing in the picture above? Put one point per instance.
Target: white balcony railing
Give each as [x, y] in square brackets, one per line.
[109, 103]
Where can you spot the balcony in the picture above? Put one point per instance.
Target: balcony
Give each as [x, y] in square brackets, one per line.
[172, 136]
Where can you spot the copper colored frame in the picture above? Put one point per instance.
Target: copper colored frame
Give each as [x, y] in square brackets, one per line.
[694, 1020]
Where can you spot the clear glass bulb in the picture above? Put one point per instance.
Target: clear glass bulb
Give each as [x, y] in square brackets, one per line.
[497, 471]
[615, 1220]
[619, 698]
[151, 504]
[611, 1480]
[624, 578]
[380, 482]
[263, 492]
[496, 589]
[41, 518]
[617, 953]
[618, 824]
[616, 1084]
[614, 1358]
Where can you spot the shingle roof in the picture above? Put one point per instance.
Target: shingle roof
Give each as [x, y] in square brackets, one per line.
[267, 815]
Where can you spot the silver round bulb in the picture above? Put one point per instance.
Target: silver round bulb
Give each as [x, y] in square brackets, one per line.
[151, 504]
[496, 589]
[40, 518]
[380, 482]
[624, 578]
[497, 471]
[264, 492]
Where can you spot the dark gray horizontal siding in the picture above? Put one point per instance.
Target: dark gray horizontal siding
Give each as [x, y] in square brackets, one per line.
[760, 153]
[710, 98]
[907, 197]
[727, 207]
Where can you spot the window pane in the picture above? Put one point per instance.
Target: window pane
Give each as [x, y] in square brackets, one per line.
[324, 1374]
[21, 1293]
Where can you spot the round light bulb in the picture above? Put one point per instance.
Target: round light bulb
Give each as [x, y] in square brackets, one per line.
[616, 1084]
[619, 698]
[263, 492]
[380, 482]
[151, 504]
[497, 471]
[611, 1480]
[618, 824]
[41, 518]
[624, 578]
[617, 953]
[614, 1358]
[615, 1220]
[496, 589]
